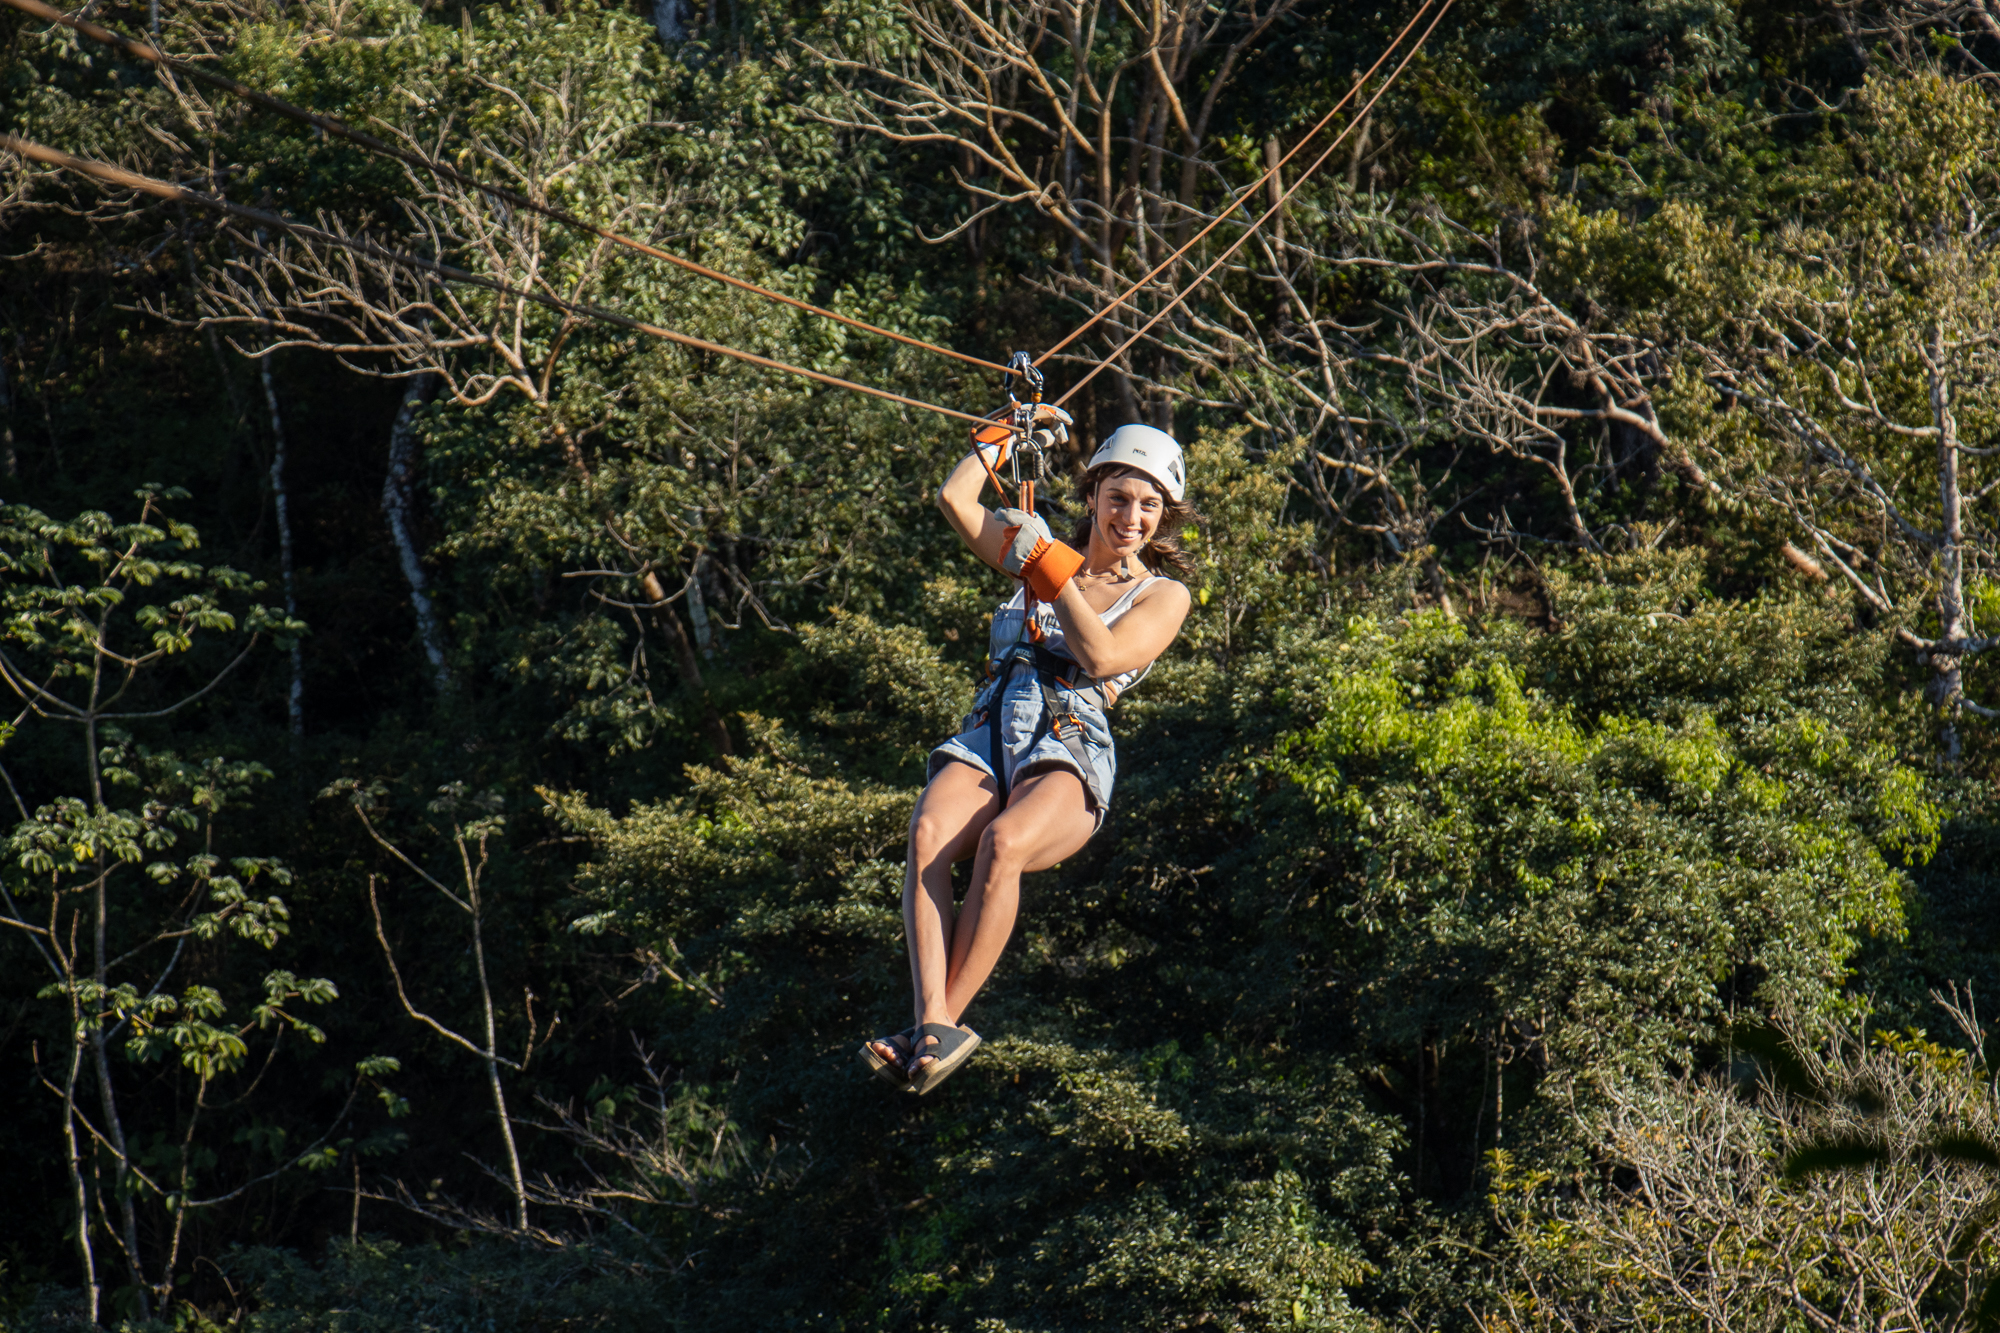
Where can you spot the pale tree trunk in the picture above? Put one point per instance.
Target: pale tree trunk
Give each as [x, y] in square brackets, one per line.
[1946, 666]
[670, 17]
[92, 1288]
[295, 698]
[107, 1095]
[397, 504]
[697, 690]
[704, 635]
[101, 973]
[1273, 150]
[9, 465]
[492, 1058]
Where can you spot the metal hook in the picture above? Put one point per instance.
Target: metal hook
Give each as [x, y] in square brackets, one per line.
[1021, 370]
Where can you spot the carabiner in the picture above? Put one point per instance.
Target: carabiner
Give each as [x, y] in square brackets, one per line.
[1021, 370]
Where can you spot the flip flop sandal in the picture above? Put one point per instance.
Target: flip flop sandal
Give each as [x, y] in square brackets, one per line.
[953, 1047]
[891, 1072]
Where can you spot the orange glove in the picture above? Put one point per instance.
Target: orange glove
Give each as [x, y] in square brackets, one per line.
[994, 441]
[1033, 554]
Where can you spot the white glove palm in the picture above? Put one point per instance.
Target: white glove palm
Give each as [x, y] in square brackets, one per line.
[1027, 537]
[1052, 425]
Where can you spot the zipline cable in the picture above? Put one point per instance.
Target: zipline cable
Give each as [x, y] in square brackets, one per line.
[1251, 230]
[131, 180]
[371, 143]
[361, 138]
[1248, 190]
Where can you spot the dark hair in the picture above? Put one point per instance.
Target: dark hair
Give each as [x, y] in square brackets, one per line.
[1164, 551]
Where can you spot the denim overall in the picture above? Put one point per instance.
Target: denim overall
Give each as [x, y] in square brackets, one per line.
[1038, 710]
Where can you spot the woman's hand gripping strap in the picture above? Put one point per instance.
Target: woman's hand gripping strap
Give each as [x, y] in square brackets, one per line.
[1033, 554]
[994, 443]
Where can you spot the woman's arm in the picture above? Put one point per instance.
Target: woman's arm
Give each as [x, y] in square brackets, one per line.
[972, 521]
[1141, 634]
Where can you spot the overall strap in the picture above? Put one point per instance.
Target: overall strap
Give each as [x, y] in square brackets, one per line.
[996, 707]
[1052, 674]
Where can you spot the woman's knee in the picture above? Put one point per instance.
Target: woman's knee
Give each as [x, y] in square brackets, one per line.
[933, 834]
[1009, 842]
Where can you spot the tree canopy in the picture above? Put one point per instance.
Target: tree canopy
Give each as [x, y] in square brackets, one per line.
[462, 746]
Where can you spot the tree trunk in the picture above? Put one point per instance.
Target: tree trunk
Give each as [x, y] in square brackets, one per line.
[114, 1124]
[704, 635]
[9, 465]
[295, 697]
[697, 691]
[1275, 187]
[494, 1084]
[397, 504]
[107, 1095]
[670, 18]
[1946, 678]
[92, 1287]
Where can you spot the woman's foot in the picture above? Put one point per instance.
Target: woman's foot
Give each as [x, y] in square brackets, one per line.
[894, 1049]
[923, 1047]
[941, 1049]
[888, 1057]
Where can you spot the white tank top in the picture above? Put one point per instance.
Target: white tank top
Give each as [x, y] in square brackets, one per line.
[1007, 631]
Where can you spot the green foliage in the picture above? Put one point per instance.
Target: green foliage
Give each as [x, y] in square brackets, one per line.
[369, 1284]
[1432, 862]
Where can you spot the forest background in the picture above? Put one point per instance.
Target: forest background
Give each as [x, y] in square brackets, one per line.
[463, 748]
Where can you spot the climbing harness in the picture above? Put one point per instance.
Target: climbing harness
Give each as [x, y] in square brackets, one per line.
[1053, 674]
[1027, 450]
[1027, 454]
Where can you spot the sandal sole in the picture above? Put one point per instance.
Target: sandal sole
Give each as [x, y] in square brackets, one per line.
[938, 1071]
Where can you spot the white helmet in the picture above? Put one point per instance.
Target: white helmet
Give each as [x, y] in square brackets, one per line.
[1143, 449]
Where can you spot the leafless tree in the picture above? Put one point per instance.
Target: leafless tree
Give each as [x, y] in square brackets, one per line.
[1726, 1224]
[1868, 351]
[1914, 545]
[1025, 99]
[469, 841]
[1458, 347]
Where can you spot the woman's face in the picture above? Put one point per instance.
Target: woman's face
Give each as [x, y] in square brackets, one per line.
[1128, 513]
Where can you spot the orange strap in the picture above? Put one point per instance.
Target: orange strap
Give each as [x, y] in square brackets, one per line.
[983, 437]
[1034, 626]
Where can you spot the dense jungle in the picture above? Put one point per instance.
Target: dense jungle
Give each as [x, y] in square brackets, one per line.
[459, 748]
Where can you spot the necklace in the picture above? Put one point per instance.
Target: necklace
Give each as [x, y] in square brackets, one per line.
[1094, 578]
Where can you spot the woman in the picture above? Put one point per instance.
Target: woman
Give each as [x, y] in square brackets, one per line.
[1027, 781]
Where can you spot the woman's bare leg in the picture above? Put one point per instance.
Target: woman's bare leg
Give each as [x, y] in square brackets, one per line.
[951, 814]
[1047, 819]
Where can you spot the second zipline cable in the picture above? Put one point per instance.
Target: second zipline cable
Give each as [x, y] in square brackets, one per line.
[361, 138]
[159, 189]
[1249, 189]
[1267, 215]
